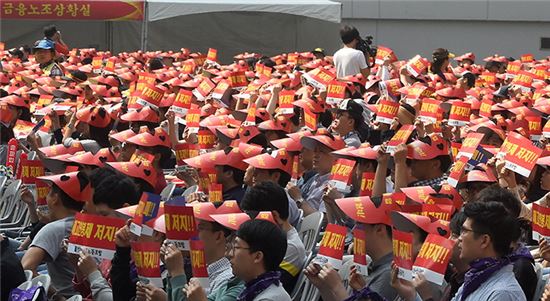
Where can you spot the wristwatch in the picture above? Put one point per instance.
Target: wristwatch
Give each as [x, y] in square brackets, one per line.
[299, 202]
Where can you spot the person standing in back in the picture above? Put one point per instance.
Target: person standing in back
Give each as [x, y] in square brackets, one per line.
[348, 60]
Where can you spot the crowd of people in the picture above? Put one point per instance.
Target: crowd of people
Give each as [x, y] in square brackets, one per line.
[404, 156]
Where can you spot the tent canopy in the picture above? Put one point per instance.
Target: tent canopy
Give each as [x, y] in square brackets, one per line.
[318, 9]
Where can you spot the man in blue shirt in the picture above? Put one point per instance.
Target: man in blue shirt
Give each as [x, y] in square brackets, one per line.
[485, 241]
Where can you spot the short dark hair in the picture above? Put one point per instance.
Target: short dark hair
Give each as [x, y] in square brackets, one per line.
[495, 193]
[49, 31]
[113, 188]
[348, 34]
[266, 196]
[155, 63]
[284, 177]
[493, 219]
[456, 223]
[66, 200]
[446, 162]
[238, 175]
[266, 237]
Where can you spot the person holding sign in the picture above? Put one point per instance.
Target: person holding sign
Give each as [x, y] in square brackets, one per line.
[256, 255]
[348, 122]
[67, 196]
[220, 274]
[485, 240]
[268, 196]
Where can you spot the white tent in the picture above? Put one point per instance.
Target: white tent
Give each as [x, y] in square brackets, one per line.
[231, 26]
[318, 9]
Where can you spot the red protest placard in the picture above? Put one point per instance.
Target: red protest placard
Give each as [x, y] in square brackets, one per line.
[390, 87]
[457, 170]
[382, 52]
[182, 102]
[418, 91]
[198, 263]
[206, 139]
[96, 233]
[540, 221]
[22, 129]
[149, 96]
[439, 211]
[402, 253]
[459, 114]
[535, 127]
[485, 108]
[238, 80]
[286, 98]
[215, 193]
[524, 80]
[513, 68]
[180, 225]
[44, 100]
[429, 110]
[295, 174]
[97, 63]
[331, 249]
[212, 55]
[185, 151]
[340, 175]
[220, 89]
[193, 119]
[110, 65]
[146, 211]
[455, 147]
[360, 250]
[417, 65]
[310, 119]
[146, 256]
[188, 67]
[367, 183]
[521, 154]
[42, 190]
[30, 170]
[470, 144]
[488, 78]
[400, 137]
[336, 92]
[387, 110]
[204, 88]
[319, 78]
[433, 258]
[206, 176]
[250, 116]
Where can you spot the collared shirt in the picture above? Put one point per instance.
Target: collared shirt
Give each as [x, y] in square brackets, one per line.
[429, 182]
[501, 286]
[380, 277]
[219, 272]
[314, 195]
[352, 139]
[236, 193]
[52, 69]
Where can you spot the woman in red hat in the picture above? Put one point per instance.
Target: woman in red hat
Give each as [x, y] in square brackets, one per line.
[93, 124]
[12, 108]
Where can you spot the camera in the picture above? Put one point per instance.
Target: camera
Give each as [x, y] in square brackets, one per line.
[366, 47]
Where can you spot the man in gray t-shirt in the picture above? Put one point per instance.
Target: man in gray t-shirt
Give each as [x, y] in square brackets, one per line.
[50, 239]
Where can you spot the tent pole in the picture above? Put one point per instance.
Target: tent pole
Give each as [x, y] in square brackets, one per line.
[144, 26]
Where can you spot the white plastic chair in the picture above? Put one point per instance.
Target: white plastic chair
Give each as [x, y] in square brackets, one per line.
[301, 280]
[75, 298]
[541, 283]
[167, 192]
[309, 230]
[42, 280]
[300, 219]
[310, 292]
[25, 285]
[28, 275]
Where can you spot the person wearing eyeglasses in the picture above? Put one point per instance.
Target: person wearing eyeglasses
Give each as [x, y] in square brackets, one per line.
[485, 241]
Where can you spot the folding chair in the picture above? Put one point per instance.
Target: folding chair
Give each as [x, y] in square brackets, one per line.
[75, 298]
[300, 219]
[8, 201]
[309, 230]
[310, 292]
[42, 280]
[300, 282]
[28, 274]
[541, 283]
[167, 192]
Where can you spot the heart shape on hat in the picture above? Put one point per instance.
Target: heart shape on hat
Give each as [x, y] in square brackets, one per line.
[246, 133]
[440, 146]
[147, 172]
[103, 159]
[92, 117]
[65, 178]
[284, 161]
[442, 231]
[162, 137]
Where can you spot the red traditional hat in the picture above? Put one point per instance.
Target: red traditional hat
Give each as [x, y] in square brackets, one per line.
[224, 134]
[229, 156]
[290, 144]
[363, 210]
[428, 148]
[123, 136]
[158, 138]
[95, 116]
[418, 194]
[204, 210]
[60, 149]
[249, 150]
[103, 156]
[16, 100]
[74, 184]
[246, 133]
[142, 170]
[278, 159]
[408, 221]
[328, 140]
[345, 152]
[310, 104]
[146, 114]
[231, 220]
